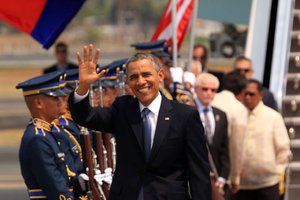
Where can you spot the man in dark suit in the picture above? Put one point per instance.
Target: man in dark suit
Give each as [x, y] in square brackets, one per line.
[163, 155]
[61, 55]
[215, 124]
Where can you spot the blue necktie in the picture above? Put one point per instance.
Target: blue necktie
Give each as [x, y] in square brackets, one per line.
[147, 132]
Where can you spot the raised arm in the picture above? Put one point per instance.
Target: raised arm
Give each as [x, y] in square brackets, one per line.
[87, 69]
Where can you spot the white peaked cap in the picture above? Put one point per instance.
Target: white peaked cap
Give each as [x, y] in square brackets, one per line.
[189, 77]
[177, 74]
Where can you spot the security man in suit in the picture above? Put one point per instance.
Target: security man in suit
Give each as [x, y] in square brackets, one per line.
[62, 63]
[215, 124]
[43, 165]
[160, 143]
[200, 54]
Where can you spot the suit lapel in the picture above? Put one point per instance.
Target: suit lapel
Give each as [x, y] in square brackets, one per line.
[163, 123]
[135, 120]
[217, 123]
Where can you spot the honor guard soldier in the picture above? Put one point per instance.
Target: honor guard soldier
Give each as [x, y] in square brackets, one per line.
[65, 119]
[113, 82]
[43, 165]
[66, 130]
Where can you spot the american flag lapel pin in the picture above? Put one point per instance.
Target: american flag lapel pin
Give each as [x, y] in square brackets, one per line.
[167, 118]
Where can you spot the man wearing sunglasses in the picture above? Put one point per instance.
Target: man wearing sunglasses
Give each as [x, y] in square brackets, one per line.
[215, 124]
[244, 65]
[266, 148]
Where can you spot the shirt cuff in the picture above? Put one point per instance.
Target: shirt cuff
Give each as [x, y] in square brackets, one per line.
[78, 97]
[235, 180]
[221, 179]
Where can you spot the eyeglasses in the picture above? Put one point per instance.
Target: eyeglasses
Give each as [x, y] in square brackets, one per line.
[205, 89]
[244, 70]
[251, 94]
[199, 57]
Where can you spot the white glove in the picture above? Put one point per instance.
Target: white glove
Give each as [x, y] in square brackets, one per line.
[106, 176]
[82, 178]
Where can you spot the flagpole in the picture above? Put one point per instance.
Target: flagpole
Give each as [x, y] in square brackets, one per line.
[192, 32]
[174, 26]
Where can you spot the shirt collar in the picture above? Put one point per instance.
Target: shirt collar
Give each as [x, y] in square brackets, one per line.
[201, 107]
[257, 109]
[154, 105]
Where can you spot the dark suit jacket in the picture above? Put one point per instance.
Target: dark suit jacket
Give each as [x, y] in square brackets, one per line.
[178, 153]
[219, 147]
[53, 68]
[220, 76]
[268, 99]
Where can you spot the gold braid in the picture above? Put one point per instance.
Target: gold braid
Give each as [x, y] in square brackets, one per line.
[75, 142]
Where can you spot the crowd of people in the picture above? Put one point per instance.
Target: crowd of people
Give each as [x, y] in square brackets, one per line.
[174, 132]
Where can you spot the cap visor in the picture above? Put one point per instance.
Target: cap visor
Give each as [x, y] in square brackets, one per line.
[59, 92]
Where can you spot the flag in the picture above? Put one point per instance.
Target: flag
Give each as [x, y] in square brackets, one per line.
[184, 15]
[44, 20]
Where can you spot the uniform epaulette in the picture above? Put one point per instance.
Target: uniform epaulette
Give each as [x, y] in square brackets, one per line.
[39, 131]
[40, 126]
[63, 120]
[55, 128]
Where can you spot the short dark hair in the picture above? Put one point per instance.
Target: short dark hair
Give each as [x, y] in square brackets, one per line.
[145, 56]
[62, 46]
[196, 46]
[257, 83]
[241, 58]
[234, 81]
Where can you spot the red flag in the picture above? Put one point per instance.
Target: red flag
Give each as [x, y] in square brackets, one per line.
[164, 28]
[44, 20]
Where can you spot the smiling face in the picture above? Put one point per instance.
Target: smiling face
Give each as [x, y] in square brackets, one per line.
[144, 79]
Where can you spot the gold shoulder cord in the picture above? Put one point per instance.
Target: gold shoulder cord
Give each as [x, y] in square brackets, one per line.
[75, 142]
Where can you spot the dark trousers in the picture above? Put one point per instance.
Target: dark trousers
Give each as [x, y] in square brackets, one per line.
[267, 193]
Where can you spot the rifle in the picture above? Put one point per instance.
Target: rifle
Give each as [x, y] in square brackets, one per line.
[98, 144]
[99, 149]
[93, 191]
[121, 80]
[108, 147]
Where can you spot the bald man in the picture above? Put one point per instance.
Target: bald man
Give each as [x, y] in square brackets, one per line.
[215, 124]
